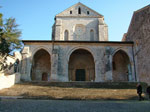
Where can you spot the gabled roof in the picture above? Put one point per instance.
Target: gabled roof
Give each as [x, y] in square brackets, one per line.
[84, 9]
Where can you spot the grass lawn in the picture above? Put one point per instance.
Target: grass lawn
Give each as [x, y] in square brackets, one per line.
[49, 92]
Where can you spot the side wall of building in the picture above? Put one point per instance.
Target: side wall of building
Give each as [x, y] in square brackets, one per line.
[139, 32]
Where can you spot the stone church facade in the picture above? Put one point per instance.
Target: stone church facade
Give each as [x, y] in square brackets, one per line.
[79, 51]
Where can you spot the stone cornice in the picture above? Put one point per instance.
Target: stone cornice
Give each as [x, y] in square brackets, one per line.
[103, 42]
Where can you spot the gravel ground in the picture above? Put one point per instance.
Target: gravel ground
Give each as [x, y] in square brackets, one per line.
[26, 105]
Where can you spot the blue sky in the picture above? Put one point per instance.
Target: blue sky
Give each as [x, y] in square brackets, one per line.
[36, 17]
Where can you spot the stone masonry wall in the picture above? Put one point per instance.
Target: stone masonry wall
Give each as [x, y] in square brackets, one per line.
[139, 32]
[60, 55]
[78, 25]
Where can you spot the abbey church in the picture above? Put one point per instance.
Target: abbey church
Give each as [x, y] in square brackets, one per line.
[80, 50]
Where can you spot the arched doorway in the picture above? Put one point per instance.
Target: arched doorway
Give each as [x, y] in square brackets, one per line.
[121, 67]
[81, 66]
[44, 77]
[41, 66]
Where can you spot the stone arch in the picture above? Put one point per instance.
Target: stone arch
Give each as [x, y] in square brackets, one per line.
[121, 66]
[122, 49]
[81, 66]
[66, 35]
[79, 47]
[41, 65]
[125, 50]
[38, 48]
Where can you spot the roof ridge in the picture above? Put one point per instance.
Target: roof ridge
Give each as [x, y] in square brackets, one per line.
[142, 8]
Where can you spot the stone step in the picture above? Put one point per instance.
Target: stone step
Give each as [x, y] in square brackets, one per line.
[107, 85]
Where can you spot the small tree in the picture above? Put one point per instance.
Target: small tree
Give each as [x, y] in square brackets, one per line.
[9, 39]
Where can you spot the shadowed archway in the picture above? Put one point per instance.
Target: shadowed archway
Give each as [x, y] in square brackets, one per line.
[41, 66]
[121, 67]
[81, 66]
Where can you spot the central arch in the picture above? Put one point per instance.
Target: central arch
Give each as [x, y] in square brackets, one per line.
[81, 66]
[41, 66]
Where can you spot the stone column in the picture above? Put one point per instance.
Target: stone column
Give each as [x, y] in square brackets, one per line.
[26, 65]
[131, 72]
[54, 66]
[65, 71]
[111, 67]
[131, 68]
[98, 77]
[130, 76]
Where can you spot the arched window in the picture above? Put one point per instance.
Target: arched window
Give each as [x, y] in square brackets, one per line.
[79, 10]
[91, 34]
[66, 35]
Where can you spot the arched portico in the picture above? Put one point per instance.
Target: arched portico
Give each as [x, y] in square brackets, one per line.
[121, 66]
[81, 66]
[41, 66]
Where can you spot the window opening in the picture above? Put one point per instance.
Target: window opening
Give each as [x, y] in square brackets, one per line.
[92, 35]
[70, 12]
[79, 10]
[66, 35]
[88, 12]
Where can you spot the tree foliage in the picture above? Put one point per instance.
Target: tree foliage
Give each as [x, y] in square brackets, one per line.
[9, 38]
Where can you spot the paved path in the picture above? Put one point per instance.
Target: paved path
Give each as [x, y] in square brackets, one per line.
[25, 105]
